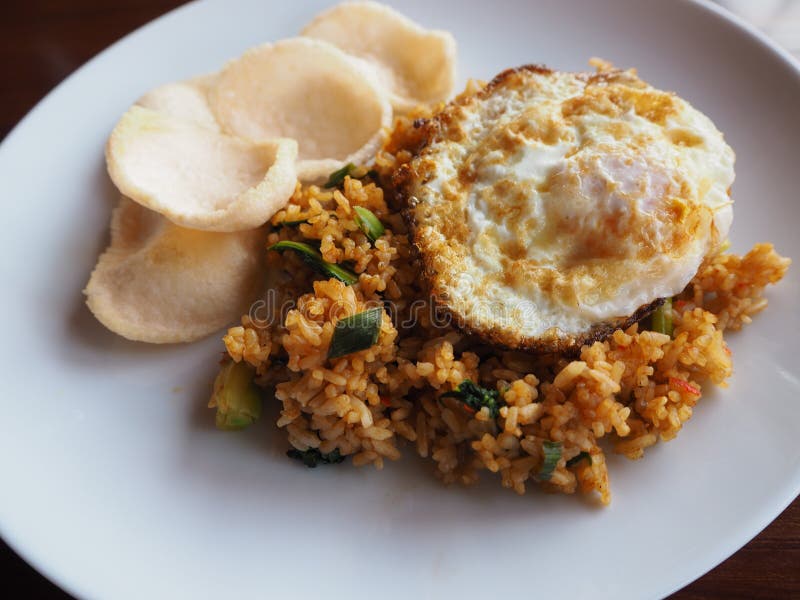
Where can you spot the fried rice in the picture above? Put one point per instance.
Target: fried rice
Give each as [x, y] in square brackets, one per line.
[620, 395]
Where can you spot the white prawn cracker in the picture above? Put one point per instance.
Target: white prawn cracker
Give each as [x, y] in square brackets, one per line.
[198, 177]
[307, 90]
[186, 100]
[416, 65]
[161, 283]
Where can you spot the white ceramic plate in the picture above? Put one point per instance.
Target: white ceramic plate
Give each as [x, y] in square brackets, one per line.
[116, 485]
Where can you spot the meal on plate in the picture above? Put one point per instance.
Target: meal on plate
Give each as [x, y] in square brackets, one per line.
[520, 279]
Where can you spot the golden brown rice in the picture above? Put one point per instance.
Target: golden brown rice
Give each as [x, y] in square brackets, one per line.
[631, 390]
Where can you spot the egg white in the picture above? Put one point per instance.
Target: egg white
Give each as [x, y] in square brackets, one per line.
[584, 198]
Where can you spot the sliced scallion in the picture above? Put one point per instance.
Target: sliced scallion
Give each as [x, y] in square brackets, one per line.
[578, 458]
[356, 332]
[552, 454]
[336, 179]
[314, 259]
[661, 321]
[368, 223]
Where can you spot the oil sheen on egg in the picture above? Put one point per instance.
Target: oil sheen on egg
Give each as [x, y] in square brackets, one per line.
[550, 208]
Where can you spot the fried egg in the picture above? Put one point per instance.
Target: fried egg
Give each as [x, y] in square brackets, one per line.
[550, 208]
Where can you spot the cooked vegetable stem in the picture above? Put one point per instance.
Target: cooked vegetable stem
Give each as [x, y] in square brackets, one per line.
[336, 179]
[552, 454]
[368, 223]
[661, 321]
[356, 332]
[314, 259]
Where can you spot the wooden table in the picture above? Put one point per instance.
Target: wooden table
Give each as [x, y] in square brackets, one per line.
[43, 41]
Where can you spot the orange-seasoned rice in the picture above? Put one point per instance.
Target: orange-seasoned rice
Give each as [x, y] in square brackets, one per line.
[623, 394]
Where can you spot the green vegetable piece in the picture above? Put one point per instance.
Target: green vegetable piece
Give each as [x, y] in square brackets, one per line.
[314, 259]
[356, 332]
[552, 454]
[476, 397]
[661, 321]
[725, 246]
[236, 396]
[336, 178]
[578, 458]
[313, 457]
[368, 223]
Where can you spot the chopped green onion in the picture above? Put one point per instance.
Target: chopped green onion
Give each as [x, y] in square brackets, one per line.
[356, 332]
[552, 454]
[476, 397]
[578, 458]
[336, 179]
[314, 259]
[313, 457]
[661, 321]
[236, 396]
[368, 223]
[725, 246]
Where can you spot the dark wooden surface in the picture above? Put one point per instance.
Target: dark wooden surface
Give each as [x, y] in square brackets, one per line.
[43, 41]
